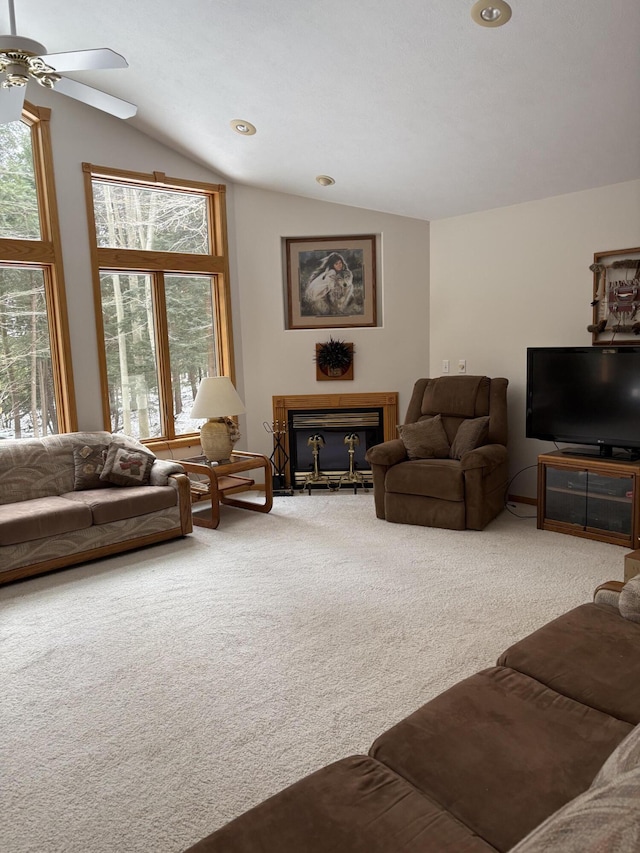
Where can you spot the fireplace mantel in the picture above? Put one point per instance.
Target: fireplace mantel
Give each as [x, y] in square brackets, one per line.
[387, 401]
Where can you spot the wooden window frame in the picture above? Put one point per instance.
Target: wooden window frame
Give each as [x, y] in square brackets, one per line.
[46, 254]
[157, 264]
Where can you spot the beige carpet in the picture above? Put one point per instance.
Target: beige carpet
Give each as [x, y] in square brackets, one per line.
[149, 698]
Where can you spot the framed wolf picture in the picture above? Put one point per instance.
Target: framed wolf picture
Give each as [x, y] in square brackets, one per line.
[330, 282]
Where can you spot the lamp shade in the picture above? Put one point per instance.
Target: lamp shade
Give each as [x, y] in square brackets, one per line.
[217, 398]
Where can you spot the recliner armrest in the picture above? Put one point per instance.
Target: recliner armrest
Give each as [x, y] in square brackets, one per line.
[388, 453]
[488, 456]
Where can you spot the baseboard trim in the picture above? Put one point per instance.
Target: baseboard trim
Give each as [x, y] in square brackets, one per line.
[520, 499]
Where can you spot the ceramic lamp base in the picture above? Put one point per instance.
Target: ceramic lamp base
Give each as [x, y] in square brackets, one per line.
[216, 440]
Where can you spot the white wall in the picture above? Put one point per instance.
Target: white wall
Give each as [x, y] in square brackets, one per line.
[506, 279]
[278, 361]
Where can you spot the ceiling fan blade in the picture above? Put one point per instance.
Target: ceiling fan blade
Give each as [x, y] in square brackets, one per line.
[85, 60]
[95, 98]
[11, 101]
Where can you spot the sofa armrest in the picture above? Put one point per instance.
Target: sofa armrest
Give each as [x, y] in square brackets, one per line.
[608, 593]
[162, 469]
[388, 453]
[488, 456]
[182, 485]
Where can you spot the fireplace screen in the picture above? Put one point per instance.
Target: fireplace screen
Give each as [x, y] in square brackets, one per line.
[328, 447]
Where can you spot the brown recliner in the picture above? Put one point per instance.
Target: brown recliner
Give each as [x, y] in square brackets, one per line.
[458, 494]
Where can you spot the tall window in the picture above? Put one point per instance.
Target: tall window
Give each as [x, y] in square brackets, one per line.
[36, 385]
[161, 279]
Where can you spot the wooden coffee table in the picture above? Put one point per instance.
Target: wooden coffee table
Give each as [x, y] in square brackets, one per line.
[216, 482]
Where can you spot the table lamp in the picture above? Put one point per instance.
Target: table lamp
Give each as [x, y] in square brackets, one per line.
[216, 400]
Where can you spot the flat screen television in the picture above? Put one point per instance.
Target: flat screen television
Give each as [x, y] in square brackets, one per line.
[586, 395]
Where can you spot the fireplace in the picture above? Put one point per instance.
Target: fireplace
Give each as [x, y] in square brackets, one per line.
[326, 436]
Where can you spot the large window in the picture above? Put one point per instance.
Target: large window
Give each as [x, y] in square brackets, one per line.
[161, 280]
[36, 386]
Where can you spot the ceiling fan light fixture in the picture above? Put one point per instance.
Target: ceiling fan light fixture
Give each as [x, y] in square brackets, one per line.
[15, 76]
[325, 180]
[21, 62]
[244, 128]
[491, 13]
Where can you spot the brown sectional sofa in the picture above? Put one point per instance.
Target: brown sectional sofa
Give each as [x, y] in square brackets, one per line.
[49, 519]
[538, 753]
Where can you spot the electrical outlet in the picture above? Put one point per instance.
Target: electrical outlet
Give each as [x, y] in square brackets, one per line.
[462, 366]
[445, 365]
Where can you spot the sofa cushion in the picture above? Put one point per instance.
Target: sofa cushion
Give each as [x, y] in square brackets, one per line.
[563, 655]
[353, 806]
[425, 439]
[602, 820]
[41, 517]
[88, 462]
[501, 752]
[127, 465]
[432, 478]
[471, 433]
[115, 504]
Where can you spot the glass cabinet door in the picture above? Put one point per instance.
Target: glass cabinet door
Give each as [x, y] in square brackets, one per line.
[589, 500]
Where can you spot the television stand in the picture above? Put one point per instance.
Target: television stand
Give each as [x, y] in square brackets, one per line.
[590, 496]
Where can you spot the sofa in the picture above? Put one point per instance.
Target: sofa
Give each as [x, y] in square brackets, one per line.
[538, 753]
[448, 467]
[65, 499]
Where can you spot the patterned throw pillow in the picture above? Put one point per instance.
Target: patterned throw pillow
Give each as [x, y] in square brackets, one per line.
[126, 465]
[629, 601]
[625, 757]
[425, 439]
[602, 819]
[471, 433]
[88, 463]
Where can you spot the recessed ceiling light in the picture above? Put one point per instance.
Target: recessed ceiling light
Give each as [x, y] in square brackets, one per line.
[243, 127]
[491, 13]
[325, 180]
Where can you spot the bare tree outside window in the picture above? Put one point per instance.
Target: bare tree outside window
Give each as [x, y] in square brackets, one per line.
[165, 318]
[27, 399]
[19, 217]
[131, 217]
[35, 372]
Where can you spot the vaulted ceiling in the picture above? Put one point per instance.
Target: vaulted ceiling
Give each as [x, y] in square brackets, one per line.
[410, 106]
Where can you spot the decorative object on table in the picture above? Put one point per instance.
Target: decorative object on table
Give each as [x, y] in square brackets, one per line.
[330, 282]
[334, 360]
[316, 477]
[616, 297]
[352, 476]
[217, 400]
[279, 458]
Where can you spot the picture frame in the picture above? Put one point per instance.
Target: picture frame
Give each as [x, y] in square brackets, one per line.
[616, 298]
[330, 282]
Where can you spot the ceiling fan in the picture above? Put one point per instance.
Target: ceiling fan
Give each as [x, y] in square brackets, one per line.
[21, 61]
